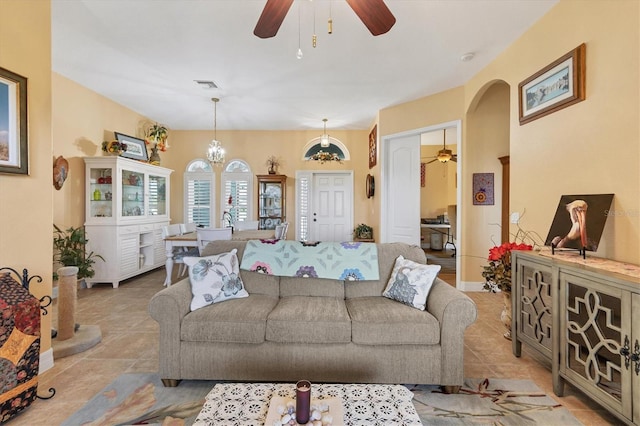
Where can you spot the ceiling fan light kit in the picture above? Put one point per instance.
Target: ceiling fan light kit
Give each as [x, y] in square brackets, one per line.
[444, 155]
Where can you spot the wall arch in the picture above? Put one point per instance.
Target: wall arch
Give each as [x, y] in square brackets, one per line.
[488, 134]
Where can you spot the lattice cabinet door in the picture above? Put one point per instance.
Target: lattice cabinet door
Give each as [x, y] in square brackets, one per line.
[533, 293]
[596, 327]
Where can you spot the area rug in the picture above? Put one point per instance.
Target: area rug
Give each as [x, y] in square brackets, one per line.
[141, 399]
[442, 258]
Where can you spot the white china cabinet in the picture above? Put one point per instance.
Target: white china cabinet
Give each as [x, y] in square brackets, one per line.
[127, 204]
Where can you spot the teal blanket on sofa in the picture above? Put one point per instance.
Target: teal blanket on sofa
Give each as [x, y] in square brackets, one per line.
[351, 261]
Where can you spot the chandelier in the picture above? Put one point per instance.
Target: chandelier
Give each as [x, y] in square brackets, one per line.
[215, 152]
[324, 139]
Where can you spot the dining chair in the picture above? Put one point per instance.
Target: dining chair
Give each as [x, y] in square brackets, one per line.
[246, 225]
[281, 231]
[206, 235]
[179, 252]
[185, 228]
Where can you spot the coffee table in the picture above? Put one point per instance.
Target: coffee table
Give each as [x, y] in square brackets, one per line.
[240, 404]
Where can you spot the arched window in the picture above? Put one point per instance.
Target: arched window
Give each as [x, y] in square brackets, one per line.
[336, 150]
[237, 192]
[199, 188]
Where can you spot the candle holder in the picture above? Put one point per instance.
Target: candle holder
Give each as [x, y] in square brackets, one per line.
[303, 401]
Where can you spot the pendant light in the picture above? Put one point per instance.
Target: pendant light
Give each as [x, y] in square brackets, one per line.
[215, 152]
[299, 53]
[324, 139]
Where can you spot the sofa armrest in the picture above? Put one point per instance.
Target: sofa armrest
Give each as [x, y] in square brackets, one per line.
[455, 311]
[168, 307]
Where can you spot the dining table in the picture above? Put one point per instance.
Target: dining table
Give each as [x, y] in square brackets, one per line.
[190, 239]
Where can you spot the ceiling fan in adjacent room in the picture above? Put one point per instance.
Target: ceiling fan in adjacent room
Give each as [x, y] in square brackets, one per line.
[374, 14]
[444, 155]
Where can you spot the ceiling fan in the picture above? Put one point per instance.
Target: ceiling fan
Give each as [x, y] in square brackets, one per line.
[444, 155]
[374, 14]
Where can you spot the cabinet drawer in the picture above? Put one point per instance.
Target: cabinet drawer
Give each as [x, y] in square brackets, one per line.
[146, 228]
[129, 229]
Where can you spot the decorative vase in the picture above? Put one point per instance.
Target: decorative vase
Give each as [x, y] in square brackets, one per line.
[272, 170]
[154, 158]
[505, 316]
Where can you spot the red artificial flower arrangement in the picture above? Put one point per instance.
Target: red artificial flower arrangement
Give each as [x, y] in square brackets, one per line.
[498, 273]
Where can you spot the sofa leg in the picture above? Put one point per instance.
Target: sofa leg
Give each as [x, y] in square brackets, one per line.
[451, 389]
[170, 383]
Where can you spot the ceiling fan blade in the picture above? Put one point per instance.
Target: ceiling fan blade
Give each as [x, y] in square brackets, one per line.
[374, 14]
[454, 159]
[271, 18]
[429, 162]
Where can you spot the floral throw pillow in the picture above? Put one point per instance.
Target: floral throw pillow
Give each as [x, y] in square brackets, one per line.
[411, 282]
[214, 279]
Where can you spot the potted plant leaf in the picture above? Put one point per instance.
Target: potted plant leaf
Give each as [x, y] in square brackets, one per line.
[70, 250]
[363, 232]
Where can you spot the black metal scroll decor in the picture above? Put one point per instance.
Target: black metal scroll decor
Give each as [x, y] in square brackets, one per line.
[45, 302]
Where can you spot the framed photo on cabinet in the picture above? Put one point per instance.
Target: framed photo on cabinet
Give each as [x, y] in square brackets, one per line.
[136, 148]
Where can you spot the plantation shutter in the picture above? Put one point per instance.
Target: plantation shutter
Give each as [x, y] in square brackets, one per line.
[303, 205]
[199, 194]
[237, 192]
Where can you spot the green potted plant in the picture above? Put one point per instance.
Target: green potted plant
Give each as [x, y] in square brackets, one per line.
[363, 232]
[70, 250]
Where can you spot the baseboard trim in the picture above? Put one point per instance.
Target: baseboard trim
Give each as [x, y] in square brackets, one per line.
[46, 361]
[471, 285]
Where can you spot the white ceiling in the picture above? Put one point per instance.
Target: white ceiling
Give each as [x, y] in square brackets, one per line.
[146, 54]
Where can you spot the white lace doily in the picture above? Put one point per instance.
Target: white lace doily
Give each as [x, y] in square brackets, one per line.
[236, 404]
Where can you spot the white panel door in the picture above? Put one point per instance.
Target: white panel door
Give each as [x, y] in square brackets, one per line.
[403, 195]
[332, 207]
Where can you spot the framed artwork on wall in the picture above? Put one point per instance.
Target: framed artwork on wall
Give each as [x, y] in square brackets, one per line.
[483, 194]
[556, 86]
[14, 147]
[373, 147]
[136, 148]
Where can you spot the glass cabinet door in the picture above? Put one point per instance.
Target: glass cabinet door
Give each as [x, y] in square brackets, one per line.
[100, 192]
[271, 200]
[132, 193]
[157, 195]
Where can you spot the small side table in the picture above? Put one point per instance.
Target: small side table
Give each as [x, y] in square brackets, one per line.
[365, 240]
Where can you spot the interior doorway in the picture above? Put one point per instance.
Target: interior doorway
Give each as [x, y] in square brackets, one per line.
[324, 205]
[400, 157]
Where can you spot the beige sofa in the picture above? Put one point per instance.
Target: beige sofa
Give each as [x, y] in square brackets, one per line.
[315, 329]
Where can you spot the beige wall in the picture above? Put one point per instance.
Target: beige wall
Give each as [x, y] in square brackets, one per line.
[590, 147]
[26, 213]
[82, 119]
[255, 147]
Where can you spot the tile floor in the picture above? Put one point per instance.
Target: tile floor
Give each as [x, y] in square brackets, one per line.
[130, 344]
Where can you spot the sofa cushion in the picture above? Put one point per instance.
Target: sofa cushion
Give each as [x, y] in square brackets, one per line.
[300, 319]
[387, 255]
[297, 286]
[254, 282]
[377, 320]
[214, 279]
[411, 282]
[235, 321]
